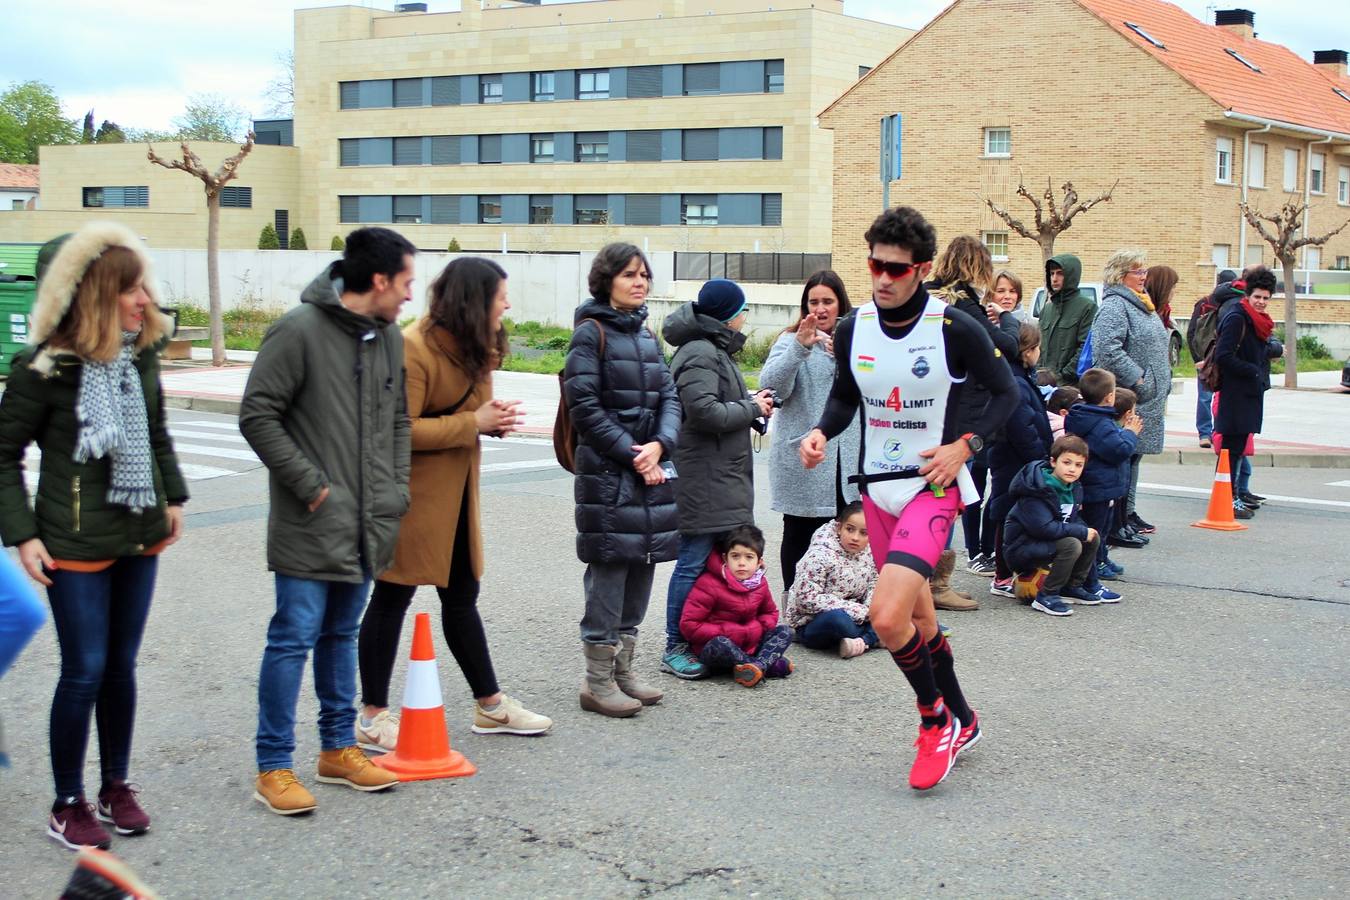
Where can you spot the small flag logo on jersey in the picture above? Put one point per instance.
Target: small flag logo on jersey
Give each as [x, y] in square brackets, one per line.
[867, 363]
[867, 314]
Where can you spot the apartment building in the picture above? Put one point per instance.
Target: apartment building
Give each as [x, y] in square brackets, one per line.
[1189, 117]
[682, 124]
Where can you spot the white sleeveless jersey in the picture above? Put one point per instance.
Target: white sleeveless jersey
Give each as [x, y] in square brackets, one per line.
[905, 386]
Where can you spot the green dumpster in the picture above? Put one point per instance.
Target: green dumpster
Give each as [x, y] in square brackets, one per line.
[18, 289]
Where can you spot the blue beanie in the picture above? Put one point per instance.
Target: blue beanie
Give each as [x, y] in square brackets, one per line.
[722, 299]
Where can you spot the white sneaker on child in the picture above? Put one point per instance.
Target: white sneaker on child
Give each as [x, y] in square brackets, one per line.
[851, 647]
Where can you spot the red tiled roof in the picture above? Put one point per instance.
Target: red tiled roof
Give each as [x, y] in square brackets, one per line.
[1287, 89]
[16, 175]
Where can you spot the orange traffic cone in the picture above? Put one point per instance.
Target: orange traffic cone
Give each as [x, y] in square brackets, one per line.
[423, 750]
[1220, 515]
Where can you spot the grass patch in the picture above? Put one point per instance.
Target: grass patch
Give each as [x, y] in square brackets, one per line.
[244, 325]
[1185, 367]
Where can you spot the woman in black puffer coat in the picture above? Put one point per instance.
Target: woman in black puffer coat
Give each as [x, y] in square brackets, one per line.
[622, 402]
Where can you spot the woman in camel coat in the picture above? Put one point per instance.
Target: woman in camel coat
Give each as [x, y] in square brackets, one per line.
[449, 354]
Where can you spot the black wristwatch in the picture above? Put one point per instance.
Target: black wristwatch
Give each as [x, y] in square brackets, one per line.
[974, 442]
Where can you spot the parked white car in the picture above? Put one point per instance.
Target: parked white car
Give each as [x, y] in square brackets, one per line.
[1094, 290]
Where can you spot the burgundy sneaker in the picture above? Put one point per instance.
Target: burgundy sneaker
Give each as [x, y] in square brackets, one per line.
[118, 806]
[72, 825]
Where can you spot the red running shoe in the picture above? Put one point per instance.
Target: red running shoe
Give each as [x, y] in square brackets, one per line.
[937, 750]
[73, 826]
[117, 806]
[969, 735]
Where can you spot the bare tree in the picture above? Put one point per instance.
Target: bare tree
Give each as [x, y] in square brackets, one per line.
[191, 163]
[1281, 231]
[280, 91]
[1051, 217]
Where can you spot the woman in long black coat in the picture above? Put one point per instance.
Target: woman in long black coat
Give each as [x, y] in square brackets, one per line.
[623, 404]
[1242, 351]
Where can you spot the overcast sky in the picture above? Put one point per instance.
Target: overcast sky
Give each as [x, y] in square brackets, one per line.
[135, 62]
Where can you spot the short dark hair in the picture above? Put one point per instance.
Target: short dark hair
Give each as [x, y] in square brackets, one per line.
[1260, 277]
[370, 252]
[610, 261]
[1068, 443]
[1028, 337]
[1095, 384]
[743, 536]
[848, 510]
[904, 227]
[1062, 398]
[832, 281]
[460, 301]
[1046, 378]
[1125, 401]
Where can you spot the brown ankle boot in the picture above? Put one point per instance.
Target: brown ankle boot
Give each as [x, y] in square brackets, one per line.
[600, 694]
[627, 679]
[940, 583]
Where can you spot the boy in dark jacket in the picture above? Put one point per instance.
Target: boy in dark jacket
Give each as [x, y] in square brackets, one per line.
[1106, 476]
[730, 619]
[1045, 527]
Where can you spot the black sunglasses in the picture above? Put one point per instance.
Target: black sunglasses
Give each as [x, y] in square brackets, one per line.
[896, 270]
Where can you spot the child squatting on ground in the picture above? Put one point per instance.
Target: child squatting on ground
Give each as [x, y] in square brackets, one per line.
[730, 619]
[828, 603]
[1045, 528]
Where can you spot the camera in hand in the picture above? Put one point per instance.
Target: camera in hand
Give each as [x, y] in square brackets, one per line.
[761, 424]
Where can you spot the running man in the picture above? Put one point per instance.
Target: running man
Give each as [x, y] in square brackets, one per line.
[902, 362]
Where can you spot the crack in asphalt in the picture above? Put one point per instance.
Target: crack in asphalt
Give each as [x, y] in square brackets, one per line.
[1254, 593]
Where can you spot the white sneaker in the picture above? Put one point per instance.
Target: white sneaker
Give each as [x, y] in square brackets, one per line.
[381, 736]
[508, 718]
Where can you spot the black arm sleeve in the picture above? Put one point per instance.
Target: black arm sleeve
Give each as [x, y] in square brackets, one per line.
[971, 352]
[845, 398]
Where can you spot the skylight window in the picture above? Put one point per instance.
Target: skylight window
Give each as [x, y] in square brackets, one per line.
[1242, 59]
[1145, 35]
[1342, 94]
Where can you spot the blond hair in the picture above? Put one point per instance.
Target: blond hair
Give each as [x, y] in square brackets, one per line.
[1121, 263]
[91, 327]
[965, 259]
[1012, 279]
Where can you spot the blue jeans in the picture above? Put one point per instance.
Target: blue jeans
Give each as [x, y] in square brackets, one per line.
[322, 616]
[99, 618]
[21, 613]
[1204, 416]
[692, 560]
[827, 629]
[1241, 481]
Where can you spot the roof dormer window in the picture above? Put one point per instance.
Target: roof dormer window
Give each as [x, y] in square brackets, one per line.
[1137, 29]
[1242, 59]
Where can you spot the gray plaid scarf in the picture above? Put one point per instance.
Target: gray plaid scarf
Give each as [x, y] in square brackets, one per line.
[111, 411]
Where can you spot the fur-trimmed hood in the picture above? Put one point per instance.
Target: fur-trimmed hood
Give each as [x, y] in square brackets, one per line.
[56, 290]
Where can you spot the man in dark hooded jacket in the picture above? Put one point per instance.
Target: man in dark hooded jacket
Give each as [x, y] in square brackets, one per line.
[1065, 319]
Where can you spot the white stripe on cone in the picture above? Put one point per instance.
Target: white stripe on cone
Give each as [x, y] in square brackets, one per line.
[1223, 476]
[423, 688]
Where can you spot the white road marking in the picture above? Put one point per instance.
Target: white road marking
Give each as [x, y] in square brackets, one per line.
[194, 472]
[222, 452]
[1338, 484]
[525, 465]
[207, 436]
[1309, 501]
[223, 426]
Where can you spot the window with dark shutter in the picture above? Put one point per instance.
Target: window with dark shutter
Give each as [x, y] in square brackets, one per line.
[771, 209]
[642, 209]
[591, 209]
[236, 197]
[445, 90]
[644, 81]
[490, 209]
[700, 143]
[408, 209]
[644, 146]
[349, 209]
[702, 78]
[281, 221]
[350, 151]
[408, 151]
[773, 76]
[773, 143]
[445, 150]
[444, 209]
[350, 92]
[489, 149]
[541, 209]
[93, 197]
[407, 92]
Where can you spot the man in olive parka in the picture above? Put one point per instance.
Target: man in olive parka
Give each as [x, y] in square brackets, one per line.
[1065, 319]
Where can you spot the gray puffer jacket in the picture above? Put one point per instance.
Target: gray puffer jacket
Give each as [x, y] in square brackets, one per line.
[1132, 343]
[715, 490]
[802, 378]
[324, 407]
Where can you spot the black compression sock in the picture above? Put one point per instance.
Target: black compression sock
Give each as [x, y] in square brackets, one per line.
[913, 659]
[944, 673]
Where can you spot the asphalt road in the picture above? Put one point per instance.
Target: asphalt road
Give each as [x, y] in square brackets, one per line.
[1186, 743]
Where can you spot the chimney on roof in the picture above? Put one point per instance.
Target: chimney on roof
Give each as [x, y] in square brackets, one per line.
[1239, 21]
[1331, 61]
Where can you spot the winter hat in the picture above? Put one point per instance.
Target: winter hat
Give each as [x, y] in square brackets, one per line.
[1225, 276]
[720, 298]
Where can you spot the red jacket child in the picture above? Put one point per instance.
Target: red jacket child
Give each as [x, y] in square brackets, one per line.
[719, 604]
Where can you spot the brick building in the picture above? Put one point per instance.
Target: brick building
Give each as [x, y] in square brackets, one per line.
[1190, 117]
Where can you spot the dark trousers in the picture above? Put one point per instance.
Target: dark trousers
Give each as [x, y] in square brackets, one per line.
[617, 595]
[1100, 514]
[99, 618]
[377, 645]
[1236, 447]
[797, 532]
[721, 654]
[827, 629]
[999, 504]
[1073, 563]
[972, 516]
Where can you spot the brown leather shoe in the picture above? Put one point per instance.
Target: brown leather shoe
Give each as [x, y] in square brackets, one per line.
[353, 768]
[281, 792]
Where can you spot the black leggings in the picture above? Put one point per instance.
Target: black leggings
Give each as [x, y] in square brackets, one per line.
[377, 645]
[1236, 448]
[972, 516]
